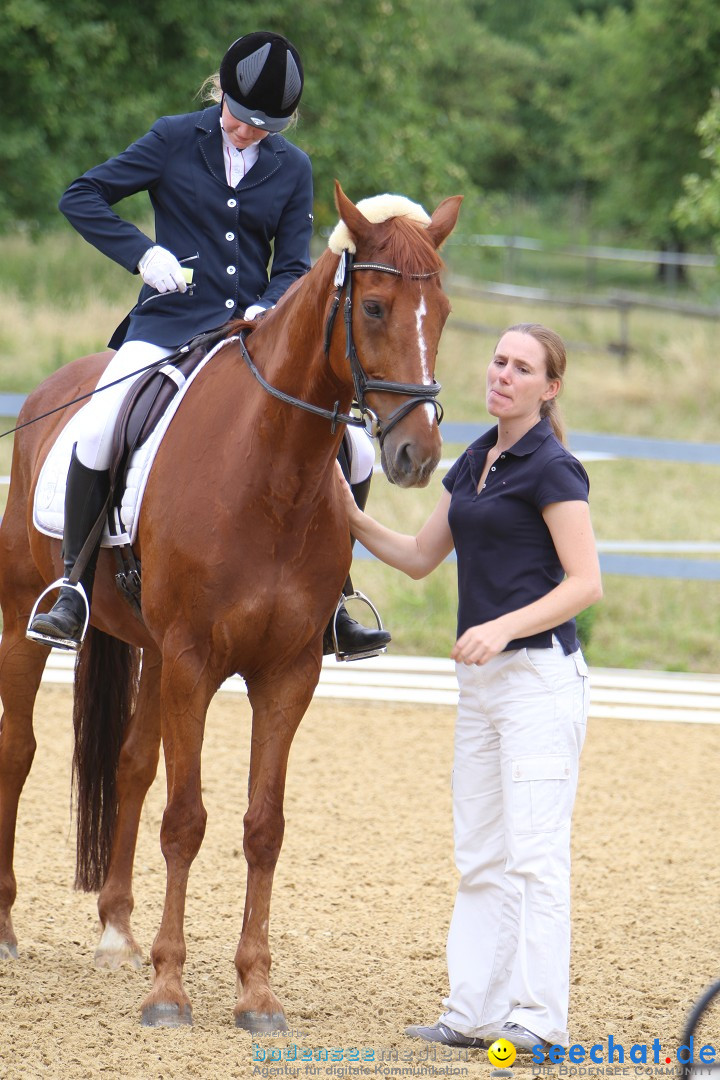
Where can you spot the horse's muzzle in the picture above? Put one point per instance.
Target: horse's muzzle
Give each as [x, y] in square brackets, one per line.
[409, 463]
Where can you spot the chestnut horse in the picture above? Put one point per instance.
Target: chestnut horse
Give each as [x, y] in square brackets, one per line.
[244, 548]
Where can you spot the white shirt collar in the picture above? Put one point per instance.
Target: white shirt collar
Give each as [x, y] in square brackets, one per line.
[238, 163]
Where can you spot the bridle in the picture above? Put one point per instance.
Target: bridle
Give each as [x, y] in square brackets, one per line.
[418, 393]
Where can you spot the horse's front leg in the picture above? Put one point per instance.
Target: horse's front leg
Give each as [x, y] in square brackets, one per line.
[279, 704]
[21, 668]
[136, 772]
[186, 690]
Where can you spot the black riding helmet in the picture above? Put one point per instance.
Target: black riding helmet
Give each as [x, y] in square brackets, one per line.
[261, 77]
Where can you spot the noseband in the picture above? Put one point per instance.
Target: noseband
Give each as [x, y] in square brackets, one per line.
[418, 393]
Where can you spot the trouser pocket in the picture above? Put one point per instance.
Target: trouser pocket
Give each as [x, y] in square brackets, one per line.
[542, 792]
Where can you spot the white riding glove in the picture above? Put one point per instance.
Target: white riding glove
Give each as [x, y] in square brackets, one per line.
[160, 270]
[254, 310]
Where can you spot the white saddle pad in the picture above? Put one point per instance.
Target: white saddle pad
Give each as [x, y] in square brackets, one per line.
[49, 502]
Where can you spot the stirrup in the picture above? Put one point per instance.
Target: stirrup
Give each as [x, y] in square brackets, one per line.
[66, 644]
[369, 653]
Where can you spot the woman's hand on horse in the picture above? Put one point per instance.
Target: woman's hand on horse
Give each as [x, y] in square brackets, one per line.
[160, 270]
[352, 509]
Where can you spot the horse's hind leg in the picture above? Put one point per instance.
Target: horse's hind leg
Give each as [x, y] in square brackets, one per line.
[21, 667]
[279, 705]
[187, 688]
[136, 772]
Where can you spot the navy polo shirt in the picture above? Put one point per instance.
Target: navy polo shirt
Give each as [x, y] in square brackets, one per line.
[505, 554]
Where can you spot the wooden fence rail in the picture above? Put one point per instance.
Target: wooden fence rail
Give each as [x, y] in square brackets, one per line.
[621, 302]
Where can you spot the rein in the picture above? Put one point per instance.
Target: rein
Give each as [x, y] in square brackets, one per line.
[419, 393]
[208, 339]
[85, 397]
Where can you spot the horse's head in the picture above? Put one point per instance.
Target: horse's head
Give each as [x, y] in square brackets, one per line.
[395, 309]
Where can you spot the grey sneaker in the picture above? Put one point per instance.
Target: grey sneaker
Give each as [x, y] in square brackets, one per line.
[441, 1033]
[522, 1038]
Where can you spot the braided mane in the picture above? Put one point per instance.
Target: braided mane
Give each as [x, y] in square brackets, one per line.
[403, 244]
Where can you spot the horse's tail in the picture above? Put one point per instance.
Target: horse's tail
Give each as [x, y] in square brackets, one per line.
[106, 680]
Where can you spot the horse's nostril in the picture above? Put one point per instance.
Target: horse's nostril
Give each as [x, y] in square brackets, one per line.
[404, 458]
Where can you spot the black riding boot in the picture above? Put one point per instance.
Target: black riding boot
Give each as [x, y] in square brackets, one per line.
[85, 495]
[352, 637]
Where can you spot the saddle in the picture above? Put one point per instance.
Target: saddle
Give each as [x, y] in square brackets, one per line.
[143, 408]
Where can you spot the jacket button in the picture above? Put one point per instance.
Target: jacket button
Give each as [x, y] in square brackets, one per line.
[229, 235]
[232, 202]
[232, 269]
[229, 303]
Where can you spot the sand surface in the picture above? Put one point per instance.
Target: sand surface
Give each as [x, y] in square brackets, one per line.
[362, 901]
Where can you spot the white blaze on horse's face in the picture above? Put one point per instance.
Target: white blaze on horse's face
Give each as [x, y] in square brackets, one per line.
[420, 313]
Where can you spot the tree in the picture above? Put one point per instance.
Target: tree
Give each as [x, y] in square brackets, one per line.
[699, 207]
[82, 79]
[628, 90]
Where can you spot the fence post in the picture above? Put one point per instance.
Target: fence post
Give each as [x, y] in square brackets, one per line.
[622, 346]
[511, 259]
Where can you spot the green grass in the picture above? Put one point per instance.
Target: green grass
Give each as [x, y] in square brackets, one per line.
[61, 300]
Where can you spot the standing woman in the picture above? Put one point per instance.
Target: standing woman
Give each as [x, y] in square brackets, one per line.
[515, 509]
[232, 201]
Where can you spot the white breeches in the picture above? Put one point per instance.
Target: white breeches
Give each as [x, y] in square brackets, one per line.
[94, 447]
[362, 454]
[520, 729]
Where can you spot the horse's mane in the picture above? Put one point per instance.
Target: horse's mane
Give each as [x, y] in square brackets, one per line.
[403, 244]
[409, 249]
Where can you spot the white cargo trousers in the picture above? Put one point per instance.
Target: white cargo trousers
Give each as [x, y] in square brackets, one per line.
[520, 729]
[94, 447]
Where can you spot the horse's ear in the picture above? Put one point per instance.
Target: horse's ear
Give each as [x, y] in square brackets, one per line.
[357, 223]
[444, 219]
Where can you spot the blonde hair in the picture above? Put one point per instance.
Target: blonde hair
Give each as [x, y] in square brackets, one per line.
[555, 364]
[210, 92]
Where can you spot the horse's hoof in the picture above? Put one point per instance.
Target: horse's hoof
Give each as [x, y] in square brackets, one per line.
[261, 1023]
[167, 1015]
[116, 948]
[113, 961]
[8, 950]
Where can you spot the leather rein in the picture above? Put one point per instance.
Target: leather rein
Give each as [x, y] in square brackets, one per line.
[418, 393]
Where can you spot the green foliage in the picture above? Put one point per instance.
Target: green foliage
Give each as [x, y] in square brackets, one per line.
[593, 101]
[629, 89]
[367, 115]
[699, 207]
[81, 80]
[585, 621]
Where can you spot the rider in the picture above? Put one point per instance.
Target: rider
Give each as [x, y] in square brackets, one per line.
[229, 194]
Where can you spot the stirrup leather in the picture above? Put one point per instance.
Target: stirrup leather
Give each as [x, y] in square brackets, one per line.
[368, 653]
[66, 644]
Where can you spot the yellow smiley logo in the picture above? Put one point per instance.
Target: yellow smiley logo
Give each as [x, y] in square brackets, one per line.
[502, 1053]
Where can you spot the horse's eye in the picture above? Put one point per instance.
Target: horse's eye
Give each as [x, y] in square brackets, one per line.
[373, 309]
